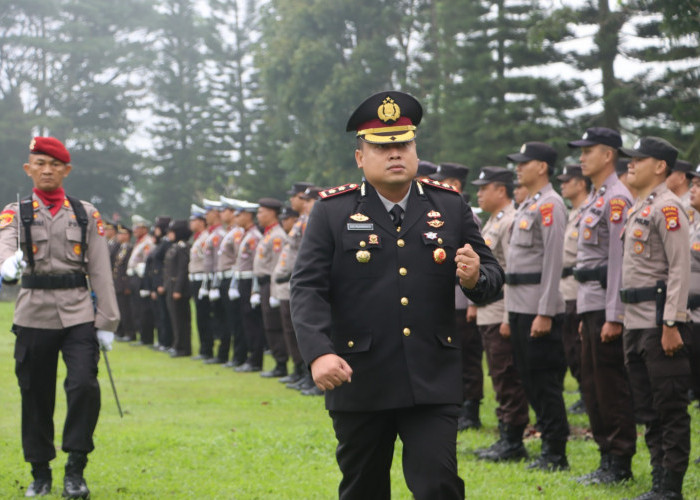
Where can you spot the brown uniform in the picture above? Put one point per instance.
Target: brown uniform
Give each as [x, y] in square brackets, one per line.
[55, 316]
[656, 256]
[512, 403]
[604, 383]
[267, 254]
[175, 280]
[535, 257]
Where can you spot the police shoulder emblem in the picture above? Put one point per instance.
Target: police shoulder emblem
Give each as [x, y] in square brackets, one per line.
[345, 188]
[389, 111]
[436, 184]
[672, 221]
[6, 218]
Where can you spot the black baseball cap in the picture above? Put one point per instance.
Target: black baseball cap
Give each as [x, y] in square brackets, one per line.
[621, 166]
[652, 147]
[426, 168]
[598, 135]
[494, 174]
[693, 173]
[288, 212]
[569, 172]
[535, 151]
[450, 171]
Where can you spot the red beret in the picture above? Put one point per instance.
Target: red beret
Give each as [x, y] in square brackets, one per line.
[50, 146]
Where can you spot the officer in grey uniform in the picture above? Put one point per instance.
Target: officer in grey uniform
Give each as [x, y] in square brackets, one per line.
[136, 269]
[604, 383]
[197, 277]
[62, 260]
[266, 257]
[574, 188]
[678, 183]
[211, 285]
[655, 281]
[534, 303]
[495, 197]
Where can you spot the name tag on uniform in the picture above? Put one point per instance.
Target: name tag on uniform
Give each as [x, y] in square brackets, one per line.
[356, 226]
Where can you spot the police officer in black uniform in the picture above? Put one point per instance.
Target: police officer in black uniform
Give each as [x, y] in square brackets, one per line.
[372, 298]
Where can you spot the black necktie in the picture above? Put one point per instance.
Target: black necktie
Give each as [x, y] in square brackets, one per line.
[396, 214]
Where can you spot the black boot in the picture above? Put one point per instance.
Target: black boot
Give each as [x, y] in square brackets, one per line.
[280, 370]
[73, 483]
[41, 472]
[593, 476]
[553, 457]
[657, 477]
[578, 408]
[509, 447]
[672, 485]
[295, 376]
[469, 415]
[620, 470]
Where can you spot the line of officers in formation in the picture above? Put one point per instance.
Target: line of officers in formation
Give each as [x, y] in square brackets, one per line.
[624, 258]
[236, 270]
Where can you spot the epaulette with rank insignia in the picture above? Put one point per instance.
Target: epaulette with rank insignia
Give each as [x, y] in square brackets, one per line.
[437, 184]
[345, 188]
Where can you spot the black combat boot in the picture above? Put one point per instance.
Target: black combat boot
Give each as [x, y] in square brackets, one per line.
[509, 447]
[73, 483]
[672, 485]
[553, 457]
[469, 415]
[295, 376]
[619, 470]
[657, 477]
[578, 408]
[41, 472]
[602, 468]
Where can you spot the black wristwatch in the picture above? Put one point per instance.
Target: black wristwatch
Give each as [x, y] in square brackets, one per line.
[670, 324]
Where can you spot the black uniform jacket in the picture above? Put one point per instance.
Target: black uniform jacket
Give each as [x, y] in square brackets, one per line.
[390, 316]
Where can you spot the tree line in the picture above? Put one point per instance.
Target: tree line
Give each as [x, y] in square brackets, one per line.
[163, 102]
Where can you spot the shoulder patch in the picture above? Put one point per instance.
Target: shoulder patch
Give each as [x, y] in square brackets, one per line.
[617, 208]
[345, 188]
[6, 218]
[437, 184]
[547, 212]
[672, 221]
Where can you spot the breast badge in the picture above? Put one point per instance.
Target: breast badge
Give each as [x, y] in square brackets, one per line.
[76, 249]
[439, 255]
[434, 214]
[600, 202]
[587, 234]
[638, 247]
[363, 256]
[431, 235]
[359, 217]
[373, 239]
[646, 211]
[436, 223]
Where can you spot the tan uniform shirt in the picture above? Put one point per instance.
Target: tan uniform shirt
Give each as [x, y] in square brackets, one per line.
[689, 210]
[196, 265]
[246, 251]
[569, 286]
[211, 249]
[496, 233]
[695, 269]
[137, 261]
[599, 244]
[228, 249]
[268, 253]
[537, 246]
[656, 249]
[285, 263]
[56, 247]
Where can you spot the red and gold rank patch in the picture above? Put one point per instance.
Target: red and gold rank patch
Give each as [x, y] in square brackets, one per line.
[66, 203]
[488, 242]
[95, 214]
[547, 212]
[6, 218]
[35, 204]
[672, 221]
[646, 211]
[638, 247]
[76, 249]
[696, 246]
[100, 227]
[277, 245]
[617, 207]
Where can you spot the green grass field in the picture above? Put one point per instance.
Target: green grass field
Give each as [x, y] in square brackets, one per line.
[201, 431]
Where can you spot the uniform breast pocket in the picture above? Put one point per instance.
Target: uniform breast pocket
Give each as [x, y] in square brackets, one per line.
[40, 242]
[522, 233]
[73, 249]
[639, 241]
[589, 231]
[441, 250]
[361, 252]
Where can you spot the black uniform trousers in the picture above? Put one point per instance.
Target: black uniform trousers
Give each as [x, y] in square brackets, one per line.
[606, 389]
[572, 340]
[181, 321]
[36, 361]
[366, 448]
[163, 323]
[695, 358]
[206, 340]
[512, 406]
[147, 319]
[272, 321]
[472, 356]
[252, 324]
[542, 366]
[218, 327]
[126, 326]
[660, 386]
[232, 328]
[290, 337]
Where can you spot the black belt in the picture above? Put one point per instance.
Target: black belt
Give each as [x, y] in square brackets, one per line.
[523, 278]
[264, 280]
[54, 281]
[693, 301]
[283, 278]
[637, 295]
[596, 274]
[567, 271]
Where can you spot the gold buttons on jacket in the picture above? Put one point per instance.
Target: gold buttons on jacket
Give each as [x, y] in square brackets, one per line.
[400, 243]
[351, 343]
[403, 271]
[363, 244]
[439, 241]
[449, 340]
[404, 301]
[406, 332]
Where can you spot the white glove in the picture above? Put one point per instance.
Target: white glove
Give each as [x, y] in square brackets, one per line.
[144, 293]
[214, 294]
[105, 339]
[140, 269]
[129, 272]
[274, 302]
[12, 268]
[233, 293]
[255, 300]
[203, 292]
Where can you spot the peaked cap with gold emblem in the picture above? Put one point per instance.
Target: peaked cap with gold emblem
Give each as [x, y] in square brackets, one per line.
[387, 117]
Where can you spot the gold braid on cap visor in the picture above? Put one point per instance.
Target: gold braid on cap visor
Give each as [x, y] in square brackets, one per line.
[384, 135]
